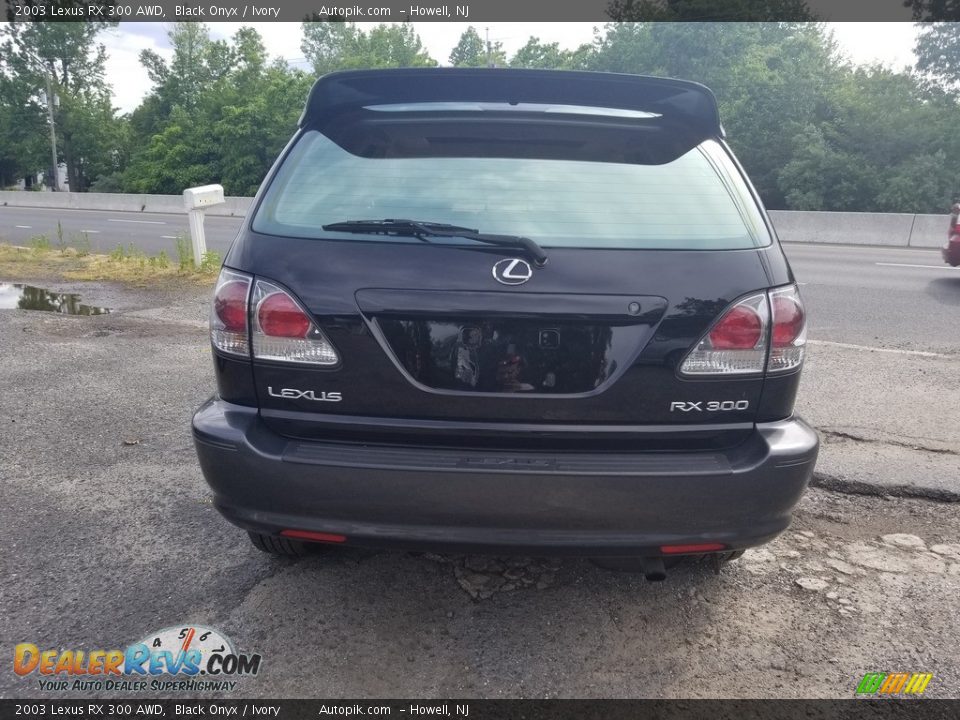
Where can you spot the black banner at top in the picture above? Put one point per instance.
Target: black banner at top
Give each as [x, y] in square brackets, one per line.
[474, 11]
[269, 709]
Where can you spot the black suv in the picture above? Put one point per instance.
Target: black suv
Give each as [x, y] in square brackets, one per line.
[509, 311]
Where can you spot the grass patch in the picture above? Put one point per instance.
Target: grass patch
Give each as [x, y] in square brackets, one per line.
[75, 261]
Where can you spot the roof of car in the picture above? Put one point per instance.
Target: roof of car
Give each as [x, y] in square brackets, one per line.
[681, 101]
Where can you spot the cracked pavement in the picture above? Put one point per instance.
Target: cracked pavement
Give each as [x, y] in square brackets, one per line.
[110, 535]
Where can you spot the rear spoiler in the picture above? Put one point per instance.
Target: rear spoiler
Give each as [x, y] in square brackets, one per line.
[689, 103]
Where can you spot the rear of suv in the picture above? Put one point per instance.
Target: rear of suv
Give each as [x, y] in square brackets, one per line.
[507, 311]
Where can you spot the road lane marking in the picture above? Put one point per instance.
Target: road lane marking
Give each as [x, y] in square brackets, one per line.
[850, 346]
[140, 222]
[169, 237]
[25, 227]
[931, 267]
[92, 232]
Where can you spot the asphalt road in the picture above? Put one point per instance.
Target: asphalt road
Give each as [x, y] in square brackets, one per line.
[150, 232]
[895, 298]
[110, 536]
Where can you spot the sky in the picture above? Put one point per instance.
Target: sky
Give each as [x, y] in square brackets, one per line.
[889, 43]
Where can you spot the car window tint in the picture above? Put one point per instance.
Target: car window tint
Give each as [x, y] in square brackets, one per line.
[697, 201]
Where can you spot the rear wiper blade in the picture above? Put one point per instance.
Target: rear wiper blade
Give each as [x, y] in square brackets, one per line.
[422, 229]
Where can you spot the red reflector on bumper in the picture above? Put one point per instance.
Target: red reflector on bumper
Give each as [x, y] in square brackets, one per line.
[682, 549]
[314, 536]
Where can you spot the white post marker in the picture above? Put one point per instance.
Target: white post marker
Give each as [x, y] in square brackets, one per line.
[195, 200]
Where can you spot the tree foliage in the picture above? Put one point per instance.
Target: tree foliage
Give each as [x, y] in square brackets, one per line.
[550, 56]
[938, 51]
[66, 61]
[220, 113]
[346, 46]
[472, 51]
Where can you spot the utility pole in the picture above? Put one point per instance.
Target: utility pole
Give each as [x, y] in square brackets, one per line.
[55, 178]
[489, 64]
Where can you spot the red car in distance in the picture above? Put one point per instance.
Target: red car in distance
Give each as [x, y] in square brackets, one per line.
[951, 251]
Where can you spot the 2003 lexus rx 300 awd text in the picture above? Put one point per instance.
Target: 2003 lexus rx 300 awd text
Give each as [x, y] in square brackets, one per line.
[507, 311]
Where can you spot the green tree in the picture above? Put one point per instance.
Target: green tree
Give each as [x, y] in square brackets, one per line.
[326, 44]
[882, 145]
[770, 79]
[549, 56]
[938, 51]
[24, 132]
[471, 51]
[226, 123]
[330, 46]
[65, 57]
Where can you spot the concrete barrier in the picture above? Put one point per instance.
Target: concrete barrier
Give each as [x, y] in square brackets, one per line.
[844, 228]
[117, 202]
[840, 228]
[929, 231]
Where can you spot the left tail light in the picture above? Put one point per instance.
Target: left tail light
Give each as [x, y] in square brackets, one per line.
[228, 314]
[265, 318]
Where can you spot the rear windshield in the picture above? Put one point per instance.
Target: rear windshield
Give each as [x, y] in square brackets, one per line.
[696, 201]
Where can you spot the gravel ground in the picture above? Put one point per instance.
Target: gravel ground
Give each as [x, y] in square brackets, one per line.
[110, 535]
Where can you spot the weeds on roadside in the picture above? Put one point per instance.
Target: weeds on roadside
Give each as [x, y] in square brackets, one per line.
[81, 244]
[211, 262]
[184, 251]
[40, 244]
[61, 243]
[125, 263]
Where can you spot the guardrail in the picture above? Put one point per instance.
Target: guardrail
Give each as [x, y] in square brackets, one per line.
[849, 228]
[117, 202]
[839, 228]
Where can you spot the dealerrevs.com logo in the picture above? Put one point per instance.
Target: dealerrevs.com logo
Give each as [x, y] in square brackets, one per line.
[190, 659]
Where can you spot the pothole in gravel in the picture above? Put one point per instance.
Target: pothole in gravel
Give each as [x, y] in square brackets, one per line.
[15, 296]
[481, 577]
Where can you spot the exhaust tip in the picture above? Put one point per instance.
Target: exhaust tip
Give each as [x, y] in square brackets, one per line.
[654, 570]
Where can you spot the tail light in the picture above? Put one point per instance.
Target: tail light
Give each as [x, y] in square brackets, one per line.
[736, 344]
[228, 315]
[766, 331]
[283, 331]
[690, 549]
[789, 335]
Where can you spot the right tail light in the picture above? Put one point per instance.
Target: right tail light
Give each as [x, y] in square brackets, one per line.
[765, 331]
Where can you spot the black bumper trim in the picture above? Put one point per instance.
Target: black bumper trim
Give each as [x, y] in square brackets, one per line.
[416, 497]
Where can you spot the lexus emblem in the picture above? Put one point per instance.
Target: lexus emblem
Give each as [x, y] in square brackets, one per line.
[512, 271]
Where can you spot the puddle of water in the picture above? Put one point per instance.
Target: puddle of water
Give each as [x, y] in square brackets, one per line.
[14, 296]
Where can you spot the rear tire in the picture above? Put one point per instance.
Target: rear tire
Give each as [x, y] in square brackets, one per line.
[279, 546]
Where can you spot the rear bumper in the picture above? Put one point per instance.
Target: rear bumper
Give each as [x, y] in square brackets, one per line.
[503, 501]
